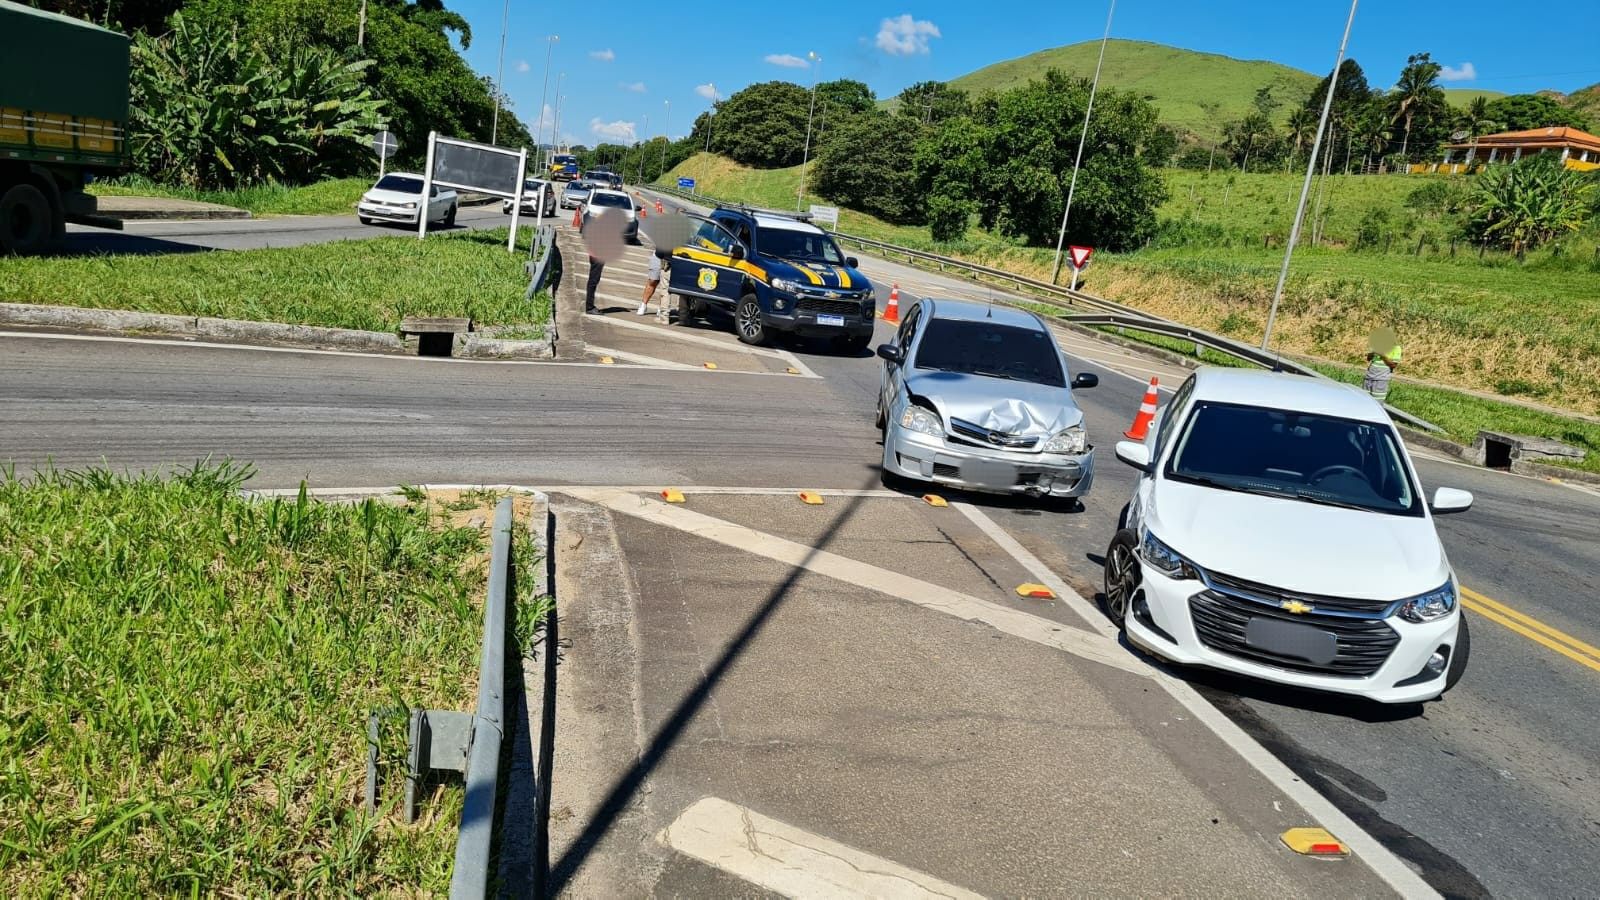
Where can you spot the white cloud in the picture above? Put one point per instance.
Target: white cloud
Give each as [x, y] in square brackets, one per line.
[603, 55]
[617, 132]
[708, 91]
[905, 36]
[1465, 73]
[636, 86]
[522, 65]
[787, 60]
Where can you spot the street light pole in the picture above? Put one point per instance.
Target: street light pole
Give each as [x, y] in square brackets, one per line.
[1311, 168]
[544, 92]
[500, 73]
[666, 135]
[555, 134]
[816, 70]
[643, 146]
[1082, 137]
[711, 121]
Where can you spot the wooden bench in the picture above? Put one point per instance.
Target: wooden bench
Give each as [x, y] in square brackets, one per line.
[435, 336]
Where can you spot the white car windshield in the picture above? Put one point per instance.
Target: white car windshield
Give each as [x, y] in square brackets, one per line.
[400, 184]
[990, 349]
[1294, 455]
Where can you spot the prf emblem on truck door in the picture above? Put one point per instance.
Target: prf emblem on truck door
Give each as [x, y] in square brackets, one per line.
[708, 279]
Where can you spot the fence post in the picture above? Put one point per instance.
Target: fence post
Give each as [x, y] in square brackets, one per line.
[1483, 247]
[1421, 239]
[1452, 248]
[1388, 241]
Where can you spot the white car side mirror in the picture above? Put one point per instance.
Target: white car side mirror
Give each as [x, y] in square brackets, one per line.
[1138, 455]
[1450, 500]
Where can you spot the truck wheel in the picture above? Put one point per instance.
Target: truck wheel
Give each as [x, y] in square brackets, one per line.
[685, 310]
[25, 220]
[747, 321]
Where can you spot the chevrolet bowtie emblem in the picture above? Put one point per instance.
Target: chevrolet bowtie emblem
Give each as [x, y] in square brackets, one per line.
[1295, 607]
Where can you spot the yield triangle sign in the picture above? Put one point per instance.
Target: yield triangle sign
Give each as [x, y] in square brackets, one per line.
[1080, 256]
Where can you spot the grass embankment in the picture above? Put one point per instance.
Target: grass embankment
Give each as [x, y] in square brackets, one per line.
[366, 284]
[325, 198]
[186, 675]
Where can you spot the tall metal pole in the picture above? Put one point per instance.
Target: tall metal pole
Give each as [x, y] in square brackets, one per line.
[642, 147]
[1311, 168]
[1082, 136]
[666, 134]
[549, 45]
[800, 195]
[500, 74]
[705, 161]
[555, 133]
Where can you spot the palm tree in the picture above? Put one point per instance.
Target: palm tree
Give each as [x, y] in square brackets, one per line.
[1374, 132]
[1477, 122]
[1416, 92]
[1302, 128]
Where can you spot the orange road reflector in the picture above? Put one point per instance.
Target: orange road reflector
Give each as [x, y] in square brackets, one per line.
[607, 360]
[792, 370]
[1036, 591]
[811, 497]
[672, 496]
[934, 500]
[709, 365]
[1314, 842]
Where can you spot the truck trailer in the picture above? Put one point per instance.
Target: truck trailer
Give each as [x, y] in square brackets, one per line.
[63, 121]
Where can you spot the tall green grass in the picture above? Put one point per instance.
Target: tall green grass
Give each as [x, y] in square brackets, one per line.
[323, 198]
[366, 284]
[186, 674]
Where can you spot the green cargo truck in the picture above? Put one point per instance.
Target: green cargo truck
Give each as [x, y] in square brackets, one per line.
[63, 111]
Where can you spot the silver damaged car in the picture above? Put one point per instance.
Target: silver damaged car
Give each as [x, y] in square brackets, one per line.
[979, 397]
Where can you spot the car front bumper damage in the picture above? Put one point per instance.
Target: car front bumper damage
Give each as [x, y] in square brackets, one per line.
[928, 458]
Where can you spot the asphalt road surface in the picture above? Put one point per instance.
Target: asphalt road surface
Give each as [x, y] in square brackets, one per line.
[155, 236]
[1493, 791]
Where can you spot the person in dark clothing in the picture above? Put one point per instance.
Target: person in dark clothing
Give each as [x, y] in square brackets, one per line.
[596, 269]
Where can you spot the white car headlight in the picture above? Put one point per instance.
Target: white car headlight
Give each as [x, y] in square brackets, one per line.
[411, 205]
[924, 421]
[1164, 559]
[1435, 604]
[784, 284]
[1068, 440]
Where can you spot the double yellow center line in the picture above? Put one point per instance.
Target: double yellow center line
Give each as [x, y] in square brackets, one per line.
[1532, 629]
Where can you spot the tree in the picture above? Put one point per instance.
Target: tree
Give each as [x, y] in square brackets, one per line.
[1301, 130]
[1351, 95]
[1253, 133]
[951, 166]
[1161, 146]
[1032, 139]
[1529, 203]
[1374, 131]
[763, 125]
[1264, 102]
[869, 165]
[846, 96]
[932, 102]
[1522, 112]
[1476, 121]
[1417, 94]
[210, 112]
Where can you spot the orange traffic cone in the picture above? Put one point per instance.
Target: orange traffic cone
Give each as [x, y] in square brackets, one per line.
[1147, 412]
[577, 217]
[891, 313]
[659, 210]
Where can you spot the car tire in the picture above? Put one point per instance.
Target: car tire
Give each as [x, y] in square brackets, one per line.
[1121, 577]
[26, 224]
[686, 310]
[747, 321]
[450, 216]
[365, 220]
[1458, 655]
[881, 422]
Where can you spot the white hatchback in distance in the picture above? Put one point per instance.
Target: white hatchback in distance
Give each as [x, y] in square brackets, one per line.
[396, 196]
[1278, 531]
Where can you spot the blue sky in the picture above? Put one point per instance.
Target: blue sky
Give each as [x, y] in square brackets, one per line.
[624, 60]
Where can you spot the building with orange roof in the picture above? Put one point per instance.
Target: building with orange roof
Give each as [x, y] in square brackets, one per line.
[1579, 150]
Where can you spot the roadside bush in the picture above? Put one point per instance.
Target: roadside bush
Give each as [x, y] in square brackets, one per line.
[948, 218]
[1194, 158]
[1370, 233]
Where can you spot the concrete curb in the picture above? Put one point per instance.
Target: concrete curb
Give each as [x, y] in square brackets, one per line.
[472, 346]
[189, 215]
[117, 320]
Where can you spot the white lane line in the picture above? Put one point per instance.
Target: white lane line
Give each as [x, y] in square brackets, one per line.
[912, 590]
[1378, 857]
[647, 361]
[679, 335]
[791, 861]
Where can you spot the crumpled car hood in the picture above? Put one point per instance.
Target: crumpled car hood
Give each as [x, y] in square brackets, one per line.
[1014, 407]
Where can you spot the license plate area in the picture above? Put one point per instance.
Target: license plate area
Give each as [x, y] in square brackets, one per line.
[1291, 639]
[982, 471]
[830, 320]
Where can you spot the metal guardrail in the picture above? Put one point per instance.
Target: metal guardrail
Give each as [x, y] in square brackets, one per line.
[1108, 313]
[538, 267]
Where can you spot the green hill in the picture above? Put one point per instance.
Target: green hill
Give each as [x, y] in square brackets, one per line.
[1194, 92]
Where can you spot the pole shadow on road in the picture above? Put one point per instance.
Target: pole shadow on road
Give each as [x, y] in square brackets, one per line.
[112, 243]
[623, 791]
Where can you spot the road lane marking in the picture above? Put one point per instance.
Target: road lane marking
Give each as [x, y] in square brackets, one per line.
[678, 334]
[792, 861]
[1369, 849]
[1532, 629]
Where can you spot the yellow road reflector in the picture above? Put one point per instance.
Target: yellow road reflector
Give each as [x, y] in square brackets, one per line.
[607, 360]
[792, 370]
[811, 497]
[934, 500]
[1314, 842]
[1037, 591]
[672, 496]
[709, 365]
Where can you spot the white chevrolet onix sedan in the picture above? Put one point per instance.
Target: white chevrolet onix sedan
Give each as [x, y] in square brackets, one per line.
[1278, 531]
